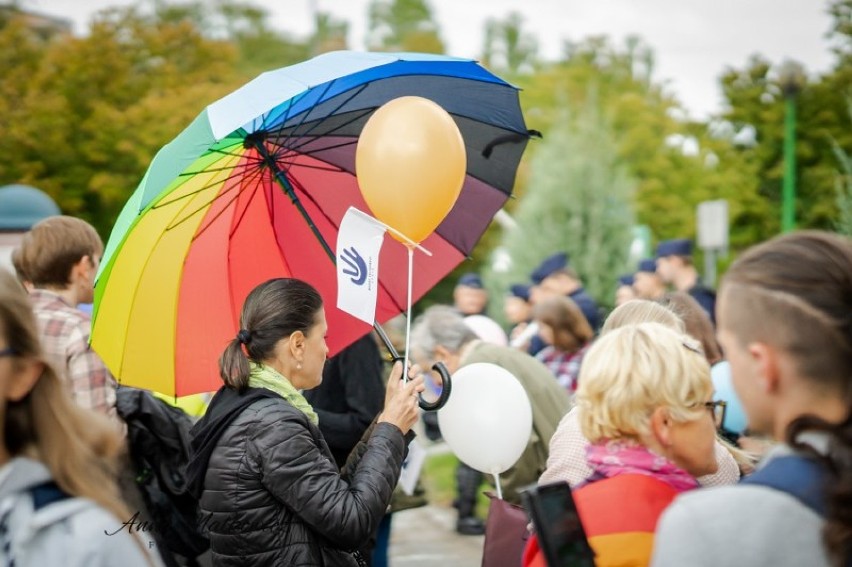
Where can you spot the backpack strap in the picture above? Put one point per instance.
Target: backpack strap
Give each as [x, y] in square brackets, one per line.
[802, 478]
[47, 493]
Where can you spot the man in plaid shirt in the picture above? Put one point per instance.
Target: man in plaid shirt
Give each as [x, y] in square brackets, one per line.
[57, 260]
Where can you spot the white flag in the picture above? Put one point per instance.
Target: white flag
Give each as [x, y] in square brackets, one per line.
[359, 242]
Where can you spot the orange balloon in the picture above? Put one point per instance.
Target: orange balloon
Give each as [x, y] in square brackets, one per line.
[411, 164]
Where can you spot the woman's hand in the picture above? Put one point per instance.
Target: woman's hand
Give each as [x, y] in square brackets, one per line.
[401, 399]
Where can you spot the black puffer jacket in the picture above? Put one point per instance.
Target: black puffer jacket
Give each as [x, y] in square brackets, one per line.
[273, 495]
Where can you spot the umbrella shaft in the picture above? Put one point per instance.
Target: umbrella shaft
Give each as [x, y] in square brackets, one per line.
[281, 178]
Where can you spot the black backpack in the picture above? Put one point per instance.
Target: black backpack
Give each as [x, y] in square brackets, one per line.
[158, 439]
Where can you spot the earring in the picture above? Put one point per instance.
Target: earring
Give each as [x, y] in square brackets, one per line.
[298, 366]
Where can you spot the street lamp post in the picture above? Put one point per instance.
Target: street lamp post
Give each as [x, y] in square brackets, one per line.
[791, 77]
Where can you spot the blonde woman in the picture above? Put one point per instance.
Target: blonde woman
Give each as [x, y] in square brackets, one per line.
[59, 503]
[567, 457]
[646, 405]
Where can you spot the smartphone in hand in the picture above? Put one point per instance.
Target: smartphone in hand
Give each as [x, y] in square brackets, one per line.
[560, 532]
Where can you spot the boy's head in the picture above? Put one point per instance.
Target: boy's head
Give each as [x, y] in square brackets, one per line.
[58, 252]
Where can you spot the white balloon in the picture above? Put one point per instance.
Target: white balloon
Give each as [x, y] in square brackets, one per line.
[487, 329]
[488, 419]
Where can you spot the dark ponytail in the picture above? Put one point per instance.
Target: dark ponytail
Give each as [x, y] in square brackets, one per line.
[838, 460]
[274, 310]
[801, 284]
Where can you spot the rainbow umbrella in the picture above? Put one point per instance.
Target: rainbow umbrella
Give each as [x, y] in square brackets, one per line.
[255, 188]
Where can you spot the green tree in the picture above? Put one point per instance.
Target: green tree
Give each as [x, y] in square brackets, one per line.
[246, 26]
[507, 47]
[90, 113]
[403, 25]
[329, 34]
[755, 103]
[579, 199]
[843, 185]
[676, 163]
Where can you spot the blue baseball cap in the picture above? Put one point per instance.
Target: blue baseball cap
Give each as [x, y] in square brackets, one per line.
[676, 247]
[648, 265]
[548, 266]
[471, 279]
[521, 291]
[626, 279]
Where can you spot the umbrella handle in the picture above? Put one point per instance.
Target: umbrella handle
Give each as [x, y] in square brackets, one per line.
[446, 387]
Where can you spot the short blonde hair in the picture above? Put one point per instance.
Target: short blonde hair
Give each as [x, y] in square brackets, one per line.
[638, 311]
[631, 371]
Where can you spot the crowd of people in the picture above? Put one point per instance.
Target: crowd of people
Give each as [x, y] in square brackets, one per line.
[679, 422]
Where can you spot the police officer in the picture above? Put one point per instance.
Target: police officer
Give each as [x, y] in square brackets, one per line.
[674, 266]
[647, 282]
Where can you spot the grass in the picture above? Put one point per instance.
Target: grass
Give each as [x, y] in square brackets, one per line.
[439, 480]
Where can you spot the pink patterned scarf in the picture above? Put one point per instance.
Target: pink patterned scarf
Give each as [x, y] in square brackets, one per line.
[612, 458]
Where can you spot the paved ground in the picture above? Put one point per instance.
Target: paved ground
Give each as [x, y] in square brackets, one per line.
[426, 537]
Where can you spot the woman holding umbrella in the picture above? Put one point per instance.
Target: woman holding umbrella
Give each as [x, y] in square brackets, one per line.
[270, 492]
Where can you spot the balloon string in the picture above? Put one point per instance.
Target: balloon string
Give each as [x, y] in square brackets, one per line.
[497, 485]
[408, 317]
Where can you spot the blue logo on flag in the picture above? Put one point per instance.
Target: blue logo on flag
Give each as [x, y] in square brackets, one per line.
[357, 267]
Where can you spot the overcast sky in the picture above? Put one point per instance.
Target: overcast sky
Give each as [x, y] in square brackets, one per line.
[694, 40]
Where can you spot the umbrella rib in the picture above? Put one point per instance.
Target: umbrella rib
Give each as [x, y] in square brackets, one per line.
[331, 167]
[246, 165]
[245, 210]
[312, 107]
[324, 148]
[296, 146]
[236, 196]
[208, 203]
[354, 94]
[215, 181]
[232, 154]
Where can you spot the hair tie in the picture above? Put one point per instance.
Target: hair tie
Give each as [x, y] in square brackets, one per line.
[244, 336]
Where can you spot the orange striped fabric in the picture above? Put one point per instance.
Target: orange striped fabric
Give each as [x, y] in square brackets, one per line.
[619, 515]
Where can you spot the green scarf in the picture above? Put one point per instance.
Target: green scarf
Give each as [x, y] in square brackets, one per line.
[263, 376]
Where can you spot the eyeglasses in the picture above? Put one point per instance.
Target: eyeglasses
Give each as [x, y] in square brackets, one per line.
[717, 410]
[694, 347]
[8, 351]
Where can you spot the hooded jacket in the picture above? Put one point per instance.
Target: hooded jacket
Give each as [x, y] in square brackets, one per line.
[39, 525]
[272, 494]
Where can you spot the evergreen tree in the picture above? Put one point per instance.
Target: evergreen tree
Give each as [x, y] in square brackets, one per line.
[403, 25]
[507, 47]
[580, 200]
[843, 185]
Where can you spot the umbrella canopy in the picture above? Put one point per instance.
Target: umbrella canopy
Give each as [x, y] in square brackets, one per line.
[255, 188]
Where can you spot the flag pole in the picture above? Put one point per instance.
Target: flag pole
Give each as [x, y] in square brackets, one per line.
[408, 316]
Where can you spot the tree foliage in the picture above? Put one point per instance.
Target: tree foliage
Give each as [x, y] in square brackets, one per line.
[88, 113]
[83, 116]
[676, 163]
[580, 200]
[507, 47]
[403, 25]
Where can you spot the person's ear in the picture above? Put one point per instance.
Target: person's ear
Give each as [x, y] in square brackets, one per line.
[81, 268]
[442, 354]
[297, 345]
[661, 427]
[28, 371]
[766, 366]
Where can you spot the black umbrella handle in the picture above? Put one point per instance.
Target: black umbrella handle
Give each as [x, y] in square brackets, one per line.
[446, 386]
